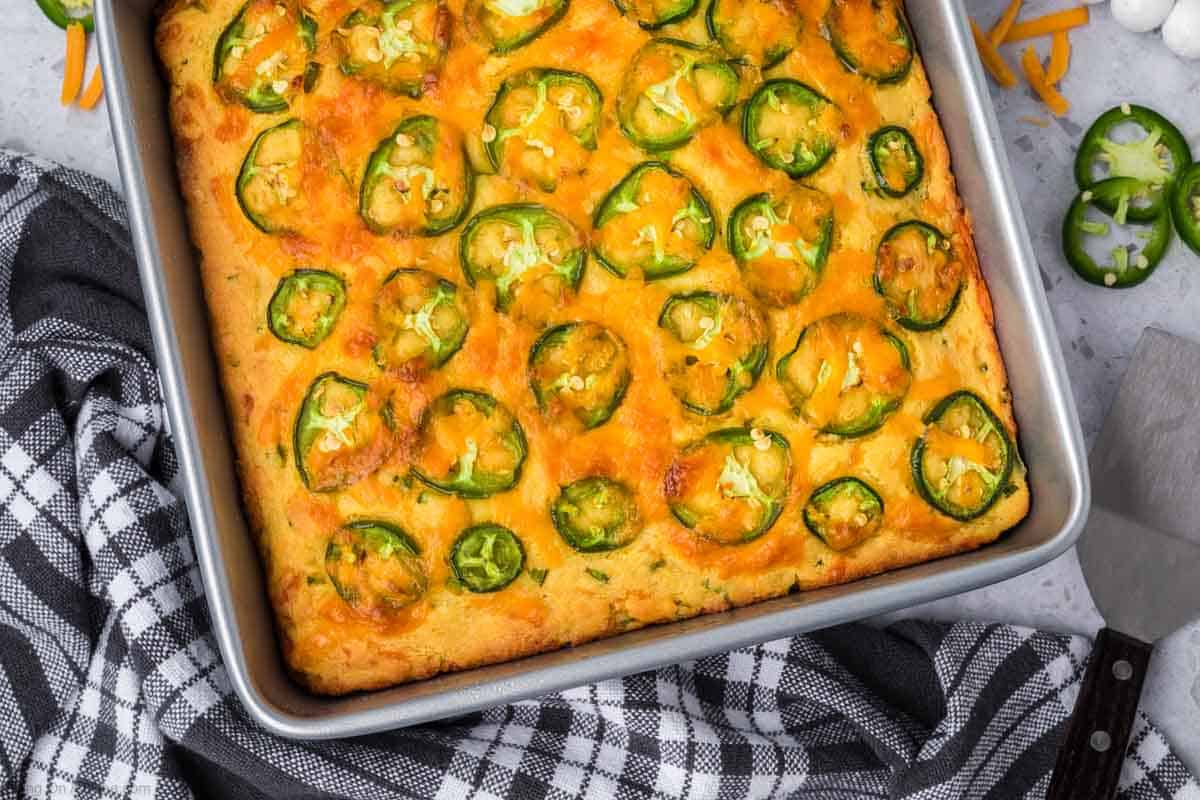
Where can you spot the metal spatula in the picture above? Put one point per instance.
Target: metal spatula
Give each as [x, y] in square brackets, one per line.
[1140, 553]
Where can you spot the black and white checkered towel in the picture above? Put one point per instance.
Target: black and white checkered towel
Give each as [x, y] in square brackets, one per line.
[111, 685]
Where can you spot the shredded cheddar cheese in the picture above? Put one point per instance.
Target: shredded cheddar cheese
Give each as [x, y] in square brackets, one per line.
[992, 60]
[1048, 24]
[1032, 67]
[73, 67]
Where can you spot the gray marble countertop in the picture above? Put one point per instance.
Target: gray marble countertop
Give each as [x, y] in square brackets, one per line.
[1097, 328]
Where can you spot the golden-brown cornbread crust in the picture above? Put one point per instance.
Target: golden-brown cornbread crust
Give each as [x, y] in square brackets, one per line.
[331, 648]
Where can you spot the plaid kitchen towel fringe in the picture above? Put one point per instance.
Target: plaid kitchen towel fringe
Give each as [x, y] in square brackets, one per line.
[111, 685]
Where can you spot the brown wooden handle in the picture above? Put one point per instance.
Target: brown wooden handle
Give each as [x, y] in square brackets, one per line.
[1089, 761]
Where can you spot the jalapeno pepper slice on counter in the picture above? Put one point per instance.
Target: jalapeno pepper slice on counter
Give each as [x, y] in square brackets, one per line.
[791, 127]
[895, 160]
[1129, 262]
[270, 180]
[844, 513]
[963, 460]
[716, 349]
[506, 25]
[375, 567]
[758, 32]
[579, 371]
[672, 89]
[470, 445]
[338, 439]
[871, 38]
[421, 321]
[486, 558]
[398, 45]
[731, 486]
[1185, 206]
[846, 375]
[596, 514]
[262, 56]
[919, 274]
[526, 250]
[305, 307]
[654, 222]
[542, 125]
[781, 242]
[1155, 158]
[418, 180]
[67, 12]
[653, 14]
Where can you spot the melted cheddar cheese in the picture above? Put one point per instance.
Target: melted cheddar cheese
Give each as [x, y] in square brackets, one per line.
[668, 570]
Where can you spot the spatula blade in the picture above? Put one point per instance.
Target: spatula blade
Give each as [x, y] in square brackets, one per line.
[1140, 551]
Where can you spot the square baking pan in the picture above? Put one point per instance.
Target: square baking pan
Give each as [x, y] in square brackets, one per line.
[1050, 437]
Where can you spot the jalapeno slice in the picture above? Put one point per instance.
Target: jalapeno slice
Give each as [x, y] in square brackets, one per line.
[846, 375]
[781, 242]
[653, 14]
[270, 181]
[716, 346]
[871, 37]
[731, 486]
[1185, 206]
[579, 371]
[963, 460]
[486, 558]
[398, 45]
[338, 439]
[418, 180]
[262, 56]
[470, 445]
[542, 125]
[506, 25]
[672, 89]
[375, 567]
[1155, 158]
[919, 274]
[63, 13]
[654, 223]
[596, 514]
[791, 127]
[530, 252]
[421, 321]
[895, 160]
[1130, 259]
[305, 307]
[844, 513]
[758, 32]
